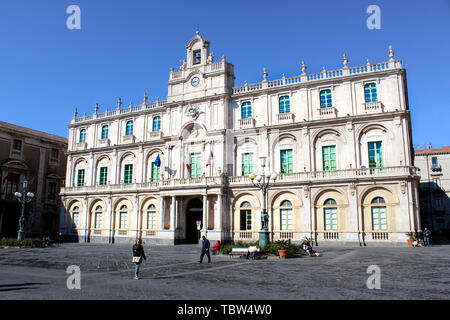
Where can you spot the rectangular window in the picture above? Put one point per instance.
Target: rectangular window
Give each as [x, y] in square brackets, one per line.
[51, 191]
[54, 155]
[123, 220]
[438, 204]
[375, 154]
[128, 173]
[330, 218]
[379, 219]
[80, 178]
[329, 158]
[196, 167]
[151, 220]
[17, 145]
[156, 173]
[105, 131]
[286, 219]
[98, 220]
[246, 220]
[286, 161]
[247, 164]
[75, 220]
[434, 161]
[197, 57]
[103, 176]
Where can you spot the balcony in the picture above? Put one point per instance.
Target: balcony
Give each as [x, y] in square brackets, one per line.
[103, 142]
[155, 135]
[436, 168]
[130, 138]
[287, 117]
[373, 107]
[328, 112]
[81, 146]
[247, 123]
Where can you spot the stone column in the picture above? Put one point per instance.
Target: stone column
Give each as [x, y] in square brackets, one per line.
[205, 212]
[86, 219]
[219, 213]
[111, 220]
[172, 216]
[161, 214]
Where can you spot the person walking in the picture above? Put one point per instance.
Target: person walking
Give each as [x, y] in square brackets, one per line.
[426, 237]
[138, 255]
[205, 249]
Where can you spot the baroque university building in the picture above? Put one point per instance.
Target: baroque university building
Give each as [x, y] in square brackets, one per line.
[339, 140]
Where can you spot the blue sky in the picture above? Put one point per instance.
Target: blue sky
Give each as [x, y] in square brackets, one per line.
[127, 47]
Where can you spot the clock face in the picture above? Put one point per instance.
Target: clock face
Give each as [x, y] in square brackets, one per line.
[195, 81]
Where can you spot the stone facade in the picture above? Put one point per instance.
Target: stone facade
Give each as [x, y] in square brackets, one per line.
[40, 159]
[434, 170]
[340, 141]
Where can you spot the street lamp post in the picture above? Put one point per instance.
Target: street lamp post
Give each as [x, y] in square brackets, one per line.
[23, 198]
[262, 182]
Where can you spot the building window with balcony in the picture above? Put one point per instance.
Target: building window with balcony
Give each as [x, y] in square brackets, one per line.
[103, 176]
[330, 215]
[129, 128]
[12, 182]
[246, 216]
[105, 131]
[156, 172]
[151, 217]
[82, 135]
[325, 98]
[375, 154]
[80, 178]
[156, 123]
[123, 217]
[246, 110]
[286, 215]
[54, 155]
[285, 104]
[286, 161]
[51, 195]
[329, 158]
[128, 173]
[75, 217]
[195, 165]
[247, 164]
[98, 217]
[379, 217]
[370, 92]
[17, 146]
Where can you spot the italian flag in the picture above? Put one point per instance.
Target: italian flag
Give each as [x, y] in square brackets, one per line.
[187, 161]
[211, 156]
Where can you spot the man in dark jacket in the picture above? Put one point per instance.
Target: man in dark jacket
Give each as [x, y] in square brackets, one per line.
[205, 249]
[138, 251]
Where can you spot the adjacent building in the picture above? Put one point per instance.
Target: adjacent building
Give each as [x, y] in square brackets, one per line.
[340, 141]
[38, 158]
[434, 170]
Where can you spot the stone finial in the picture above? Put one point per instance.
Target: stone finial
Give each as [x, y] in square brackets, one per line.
[345, 61]
[144, 99]
[119, 103]
[303, 67]
[284, 76]
[391, 53]
[172, 69]
[265, 74]
[96, 108]
[75, 113]
[223, 57]
[368, 62]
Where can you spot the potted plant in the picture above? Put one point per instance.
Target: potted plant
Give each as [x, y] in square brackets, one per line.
[283, 248]
[411, 237]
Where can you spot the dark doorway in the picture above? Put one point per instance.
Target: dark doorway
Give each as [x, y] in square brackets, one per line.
[194, 213]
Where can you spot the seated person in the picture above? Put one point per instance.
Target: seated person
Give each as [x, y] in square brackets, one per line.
[309, 250]
[252, 251]
[216, 248]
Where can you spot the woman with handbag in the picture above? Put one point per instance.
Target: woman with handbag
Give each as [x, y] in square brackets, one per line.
[138, 254]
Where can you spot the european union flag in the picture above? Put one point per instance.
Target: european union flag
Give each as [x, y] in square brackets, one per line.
[158, 161]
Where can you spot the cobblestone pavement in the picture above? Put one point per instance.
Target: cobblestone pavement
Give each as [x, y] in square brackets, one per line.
[172, 272]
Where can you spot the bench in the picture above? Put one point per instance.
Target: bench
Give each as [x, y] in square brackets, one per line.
[239, 252]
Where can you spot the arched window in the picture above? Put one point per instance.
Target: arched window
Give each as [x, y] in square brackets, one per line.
[105, 131]
[379, 217]
[370, 92]
[151, 217]
[75, 217]
[330, 214]
[123, 217]
[325, 99]
[82, 135]
[98, 217]
[129, 128]
[286, 215]
[246, 216]
[285, 104]
[246, 110]
[157, 123]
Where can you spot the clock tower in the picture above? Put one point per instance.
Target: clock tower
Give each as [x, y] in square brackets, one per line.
[199, 76]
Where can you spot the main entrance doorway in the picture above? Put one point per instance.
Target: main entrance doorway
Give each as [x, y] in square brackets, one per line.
[194, 213]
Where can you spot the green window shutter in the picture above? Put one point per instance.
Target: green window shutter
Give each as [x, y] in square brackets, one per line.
[156, 173]
[286, 219]
[379, 219]
[375, 154]
[103, 176]
[80, 178]
[128, 173]
[330, 218]
[247, 163]
[329, 158]
[196, 167]
[286, 161]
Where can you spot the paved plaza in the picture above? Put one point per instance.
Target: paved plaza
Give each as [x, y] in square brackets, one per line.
[172, 273]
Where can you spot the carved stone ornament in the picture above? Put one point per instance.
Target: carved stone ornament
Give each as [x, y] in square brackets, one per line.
[193, 112]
